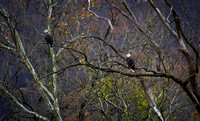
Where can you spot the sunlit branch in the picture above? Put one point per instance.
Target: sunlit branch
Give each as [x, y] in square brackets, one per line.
[111, 26]
[7, 47]
[167, 19]
[44, 91]
[56, 110]
[22, 106]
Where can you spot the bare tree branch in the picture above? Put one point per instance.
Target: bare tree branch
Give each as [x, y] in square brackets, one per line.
[111, 26]
[22, 106]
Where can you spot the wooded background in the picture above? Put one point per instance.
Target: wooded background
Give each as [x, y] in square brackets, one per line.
[85, 76]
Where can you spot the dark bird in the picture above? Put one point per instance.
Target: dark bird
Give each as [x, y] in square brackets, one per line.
[48, 37]
[130, 62]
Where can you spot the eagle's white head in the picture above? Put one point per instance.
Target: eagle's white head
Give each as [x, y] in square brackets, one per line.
[46, 31]
[128, 55]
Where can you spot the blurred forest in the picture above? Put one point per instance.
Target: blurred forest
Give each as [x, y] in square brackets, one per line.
[84, 77]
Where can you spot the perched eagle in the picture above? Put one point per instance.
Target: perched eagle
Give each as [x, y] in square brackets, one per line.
[130, 62]
[48, 37]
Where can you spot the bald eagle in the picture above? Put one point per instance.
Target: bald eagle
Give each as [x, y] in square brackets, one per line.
[130, 62]
[48, 37]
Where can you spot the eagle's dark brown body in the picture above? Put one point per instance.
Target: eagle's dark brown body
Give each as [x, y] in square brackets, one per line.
[130, 62]
[49, 39]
